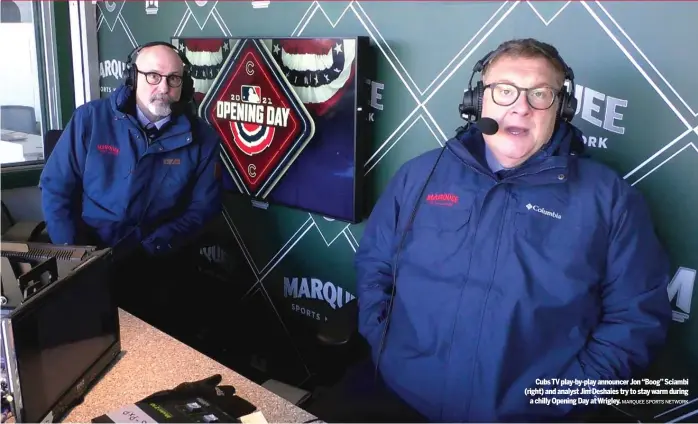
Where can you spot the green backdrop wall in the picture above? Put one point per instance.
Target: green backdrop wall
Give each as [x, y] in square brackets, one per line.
[638, 108]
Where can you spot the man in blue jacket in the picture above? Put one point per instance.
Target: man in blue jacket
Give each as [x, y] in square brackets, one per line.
[135, 170]
[507, 261]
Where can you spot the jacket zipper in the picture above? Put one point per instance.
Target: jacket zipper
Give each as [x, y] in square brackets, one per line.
[487, 295]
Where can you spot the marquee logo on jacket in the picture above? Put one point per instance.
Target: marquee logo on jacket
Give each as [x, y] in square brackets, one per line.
[262, 121]
[442, 199]
[108, 149]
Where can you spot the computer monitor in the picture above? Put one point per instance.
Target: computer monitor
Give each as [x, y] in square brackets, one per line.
[60, 326]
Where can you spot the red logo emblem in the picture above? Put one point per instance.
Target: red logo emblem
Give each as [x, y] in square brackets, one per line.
[262, 122]
[108, 149]
[442, 199]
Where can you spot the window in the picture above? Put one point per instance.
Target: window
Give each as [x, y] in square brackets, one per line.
[28, 80]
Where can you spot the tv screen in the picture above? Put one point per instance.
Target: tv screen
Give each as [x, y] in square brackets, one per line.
[60, 336]
[291, 113]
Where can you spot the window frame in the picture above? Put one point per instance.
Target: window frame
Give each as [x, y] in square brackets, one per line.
[83, 39]
[49, 84]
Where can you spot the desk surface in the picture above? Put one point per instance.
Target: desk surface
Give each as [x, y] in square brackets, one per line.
[152, 360]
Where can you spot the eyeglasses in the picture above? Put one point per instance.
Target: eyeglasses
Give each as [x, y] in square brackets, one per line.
[505, 94]
[153, 78]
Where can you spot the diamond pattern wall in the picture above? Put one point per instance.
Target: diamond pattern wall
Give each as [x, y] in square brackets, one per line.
[638, 108]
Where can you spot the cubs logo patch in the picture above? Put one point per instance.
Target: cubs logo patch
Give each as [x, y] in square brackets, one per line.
[262, 122]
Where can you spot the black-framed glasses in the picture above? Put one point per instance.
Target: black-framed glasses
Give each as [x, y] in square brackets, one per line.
[505, 94]
[153, 78]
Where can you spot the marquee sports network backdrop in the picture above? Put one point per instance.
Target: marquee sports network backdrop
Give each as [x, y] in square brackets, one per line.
[638, 108]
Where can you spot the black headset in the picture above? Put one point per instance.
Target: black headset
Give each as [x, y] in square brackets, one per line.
[471, 107]
[187, 94]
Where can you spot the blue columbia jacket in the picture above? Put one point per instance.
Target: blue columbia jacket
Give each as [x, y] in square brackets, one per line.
[105, 183]
[552, 271]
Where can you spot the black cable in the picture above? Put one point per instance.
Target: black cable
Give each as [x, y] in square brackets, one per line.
[407, 228]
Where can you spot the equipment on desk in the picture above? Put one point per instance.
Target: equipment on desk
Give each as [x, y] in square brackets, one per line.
[60, 326]
[203, 401]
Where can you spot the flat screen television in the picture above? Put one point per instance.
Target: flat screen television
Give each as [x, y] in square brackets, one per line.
[292, 116]
[58, 340]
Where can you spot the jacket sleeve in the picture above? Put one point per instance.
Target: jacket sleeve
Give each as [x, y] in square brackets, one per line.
[636, 311]
[61, 181]
[204, 205]
[374, 260]
[636, 308]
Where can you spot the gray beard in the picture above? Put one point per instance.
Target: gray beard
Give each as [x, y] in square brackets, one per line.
[160, 109]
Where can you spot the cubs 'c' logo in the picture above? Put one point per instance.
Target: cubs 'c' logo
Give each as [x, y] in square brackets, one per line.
[263, 124]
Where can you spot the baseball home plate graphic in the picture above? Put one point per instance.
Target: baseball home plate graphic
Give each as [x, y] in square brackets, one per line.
[262, 122]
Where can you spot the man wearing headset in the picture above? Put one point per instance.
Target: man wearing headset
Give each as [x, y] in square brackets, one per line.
[508, 261]
[137, 172]
[136, 169]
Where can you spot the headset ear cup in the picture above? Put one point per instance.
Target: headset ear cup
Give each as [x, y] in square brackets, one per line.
[466, 106]
[562, 107]
[568, 106]
[131, 76]
[187, 94]
[187, 89]
[472, 102]
[571, 108]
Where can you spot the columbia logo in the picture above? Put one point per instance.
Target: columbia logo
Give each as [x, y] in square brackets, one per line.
[544, 211]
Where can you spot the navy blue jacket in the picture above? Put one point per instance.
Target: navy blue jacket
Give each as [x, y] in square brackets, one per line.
[105, 183]
[552, 271]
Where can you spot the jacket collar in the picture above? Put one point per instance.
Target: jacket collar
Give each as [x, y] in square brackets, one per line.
[552, 163]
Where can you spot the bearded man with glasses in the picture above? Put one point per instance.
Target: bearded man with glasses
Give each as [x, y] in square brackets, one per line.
[136, 169]
[501, 270]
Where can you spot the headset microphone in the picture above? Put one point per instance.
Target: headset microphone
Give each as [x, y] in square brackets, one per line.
[488, 126]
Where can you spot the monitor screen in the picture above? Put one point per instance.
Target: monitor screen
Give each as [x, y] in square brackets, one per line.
[61, 335]
[291, 116]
